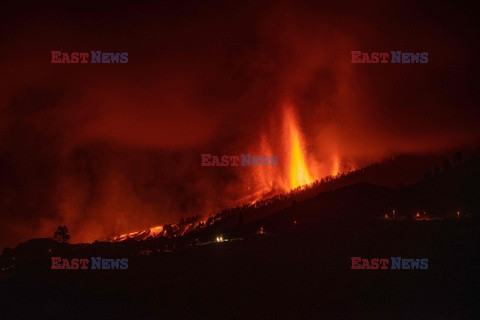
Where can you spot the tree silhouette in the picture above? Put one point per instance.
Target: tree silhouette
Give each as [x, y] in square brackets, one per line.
[62, 234]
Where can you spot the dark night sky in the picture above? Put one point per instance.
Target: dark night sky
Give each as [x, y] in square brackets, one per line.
[113, 148]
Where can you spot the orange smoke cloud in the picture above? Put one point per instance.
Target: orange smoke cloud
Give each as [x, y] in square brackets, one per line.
[112, 149]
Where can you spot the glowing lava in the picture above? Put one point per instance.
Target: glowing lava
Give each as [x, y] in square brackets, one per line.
[139, 235]
[298, 171]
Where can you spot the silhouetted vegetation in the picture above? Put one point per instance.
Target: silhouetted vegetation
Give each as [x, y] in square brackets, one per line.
[61, 235]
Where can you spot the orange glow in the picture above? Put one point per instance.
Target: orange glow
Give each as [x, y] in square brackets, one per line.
[299, 174]
[260, 231]
[336, 166]
[294, 170]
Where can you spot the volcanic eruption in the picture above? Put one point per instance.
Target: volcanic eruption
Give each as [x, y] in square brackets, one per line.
[299, 173]
[296, 171]
[112, 149]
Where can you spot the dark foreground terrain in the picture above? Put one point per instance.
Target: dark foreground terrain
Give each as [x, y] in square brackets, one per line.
[301, 273]
[286, 259]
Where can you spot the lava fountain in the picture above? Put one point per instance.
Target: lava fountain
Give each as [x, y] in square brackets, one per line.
[298, 170]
